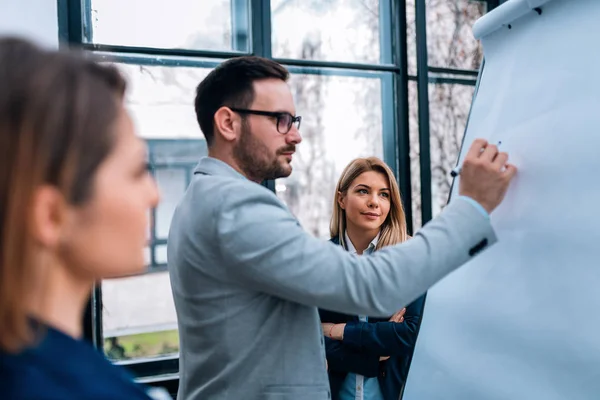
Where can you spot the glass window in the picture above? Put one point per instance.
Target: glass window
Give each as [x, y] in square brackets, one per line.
[415, 166]
[411, 37]
[172, 183]
[160, 254]
[449, 106]
[184, 24]
[341, 120]
[173, 162]
[138, 316]
[161, 100]
[337, 30]
[450, 41]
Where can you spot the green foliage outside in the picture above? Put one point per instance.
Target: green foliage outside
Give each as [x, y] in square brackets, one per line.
[142, 345]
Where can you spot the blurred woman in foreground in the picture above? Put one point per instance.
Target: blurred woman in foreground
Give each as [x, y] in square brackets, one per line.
[74, 199]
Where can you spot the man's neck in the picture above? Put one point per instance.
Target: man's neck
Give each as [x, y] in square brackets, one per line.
[360, 239]
[230, 160]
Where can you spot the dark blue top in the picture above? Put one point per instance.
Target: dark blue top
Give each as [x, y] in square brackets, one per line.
[61, 367]
[365, 342]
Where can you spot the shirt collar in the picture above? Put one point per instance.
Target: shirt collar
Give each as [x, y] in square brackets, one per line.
[370, 248]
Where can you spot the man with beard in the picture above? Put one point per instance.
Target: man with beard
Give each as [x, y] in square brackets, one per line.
[247, 280]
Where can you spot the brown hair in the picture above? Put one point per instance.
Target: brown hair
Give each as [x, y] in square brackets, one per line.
[231, 84]
[57, 111]
[393, 229]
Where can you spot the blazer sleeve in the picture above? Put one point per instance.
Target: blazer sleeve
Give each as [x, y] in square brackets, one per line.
[344, 358]
[386, 338]
[261, 246]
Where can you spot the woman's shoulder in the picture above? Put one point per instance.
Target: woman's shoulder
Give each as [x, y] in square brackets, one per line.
[63, 367]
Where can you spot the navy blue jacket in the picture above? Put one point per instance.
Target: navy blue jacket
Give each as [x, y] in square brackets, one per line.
[365, 342]
[60, 367]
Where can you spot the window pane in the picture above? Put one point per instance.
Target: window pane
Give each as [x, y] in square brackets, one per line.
[334, 30]
[411, 37]
[160, 254]
[342, 120]
[449, 107]
[450, 41]
[185, 24]
[139, 313]
[172, 183]
[174, 161]
[415, 166]
[161, 100]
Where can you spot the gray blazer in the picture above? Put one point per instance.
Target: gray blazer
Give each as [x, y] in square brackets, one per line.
[247, 281]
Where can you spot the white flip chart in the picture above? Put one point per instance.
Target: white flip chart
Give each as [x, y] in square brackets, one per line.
[521, 320]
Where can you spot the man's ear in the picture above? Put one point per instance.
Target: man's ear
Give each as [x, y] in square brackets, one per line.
[227, 123]
[48, 216]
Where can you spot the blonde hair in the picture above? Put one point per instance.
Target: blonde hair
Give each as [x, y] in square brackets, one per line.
[393, 229]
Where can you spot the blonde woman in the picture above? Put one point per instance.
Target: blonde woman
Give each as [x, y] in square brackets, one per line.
[368, 358]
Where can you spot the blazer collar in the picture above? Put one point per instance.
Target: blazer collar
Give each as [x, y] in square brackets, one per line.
[212, 166]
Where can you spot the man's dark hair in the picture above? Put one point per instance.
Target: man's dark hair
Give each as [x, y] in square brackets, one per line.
[231, 84]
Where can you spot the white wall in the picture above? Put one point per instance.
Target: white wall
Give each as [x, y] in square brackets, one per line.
[36, 20]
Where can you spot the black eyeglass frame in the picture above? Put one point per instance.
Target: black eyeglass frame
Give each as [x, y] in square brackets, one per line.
[273, 114]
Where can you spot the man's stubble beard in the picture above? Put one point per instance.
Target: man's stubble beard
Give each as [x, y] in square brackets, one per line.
[255, 160]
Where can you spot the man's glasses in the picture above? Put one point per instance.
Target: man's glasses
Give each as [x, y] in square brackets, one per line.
[284, 120]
